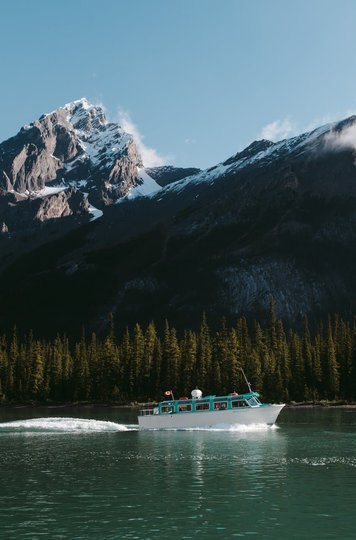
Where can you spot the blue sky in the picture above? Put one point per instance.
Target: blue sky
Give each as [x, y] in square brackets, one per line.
[197, 79]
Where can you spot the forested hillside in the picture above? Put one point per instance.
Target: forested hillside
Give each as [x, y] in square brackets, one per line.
[141, 364]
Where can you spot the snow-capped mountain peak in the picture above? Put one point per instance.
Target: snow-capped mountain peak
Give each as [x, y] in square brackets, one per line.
[101, 142]
[85, 116]
[73, 145]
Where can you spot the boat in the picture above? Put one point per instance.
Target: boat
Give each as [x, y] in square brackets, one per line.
[209, 411]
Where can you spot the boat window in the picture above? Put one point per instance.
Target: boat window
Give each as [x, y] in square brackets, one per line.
[252, 402]
[146, 412]
[220, 405]
[205, 406]
[238, 403]
[185, 408]
[166, 409]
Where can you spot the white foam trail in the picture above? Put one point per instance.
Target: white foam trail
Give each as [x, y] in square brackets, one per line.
[60, 425]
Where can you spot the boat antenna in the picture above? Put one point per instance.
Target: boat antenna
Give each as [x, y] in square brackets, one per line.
[248, 384]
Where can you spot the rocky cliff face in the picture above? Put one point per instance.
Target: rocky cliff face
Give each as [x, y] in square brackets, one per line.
[21, 215]
[75, 145]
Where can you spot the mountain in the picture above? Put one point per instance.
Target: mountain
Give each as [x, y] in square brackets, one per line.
[274, 219]
[60, 171]
[73, 145]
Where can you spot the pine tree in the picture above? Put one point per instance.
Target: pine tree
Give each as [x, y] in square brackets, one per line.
[157, 384]
[81, 374]
[37, 372]
[297, 386]
[67, 370]
[344, 358]
[261, 349]
[110, 360]
[254, 371]
[165, 371]
[13, 358]
[283, 369]
[148, 360]
[353, 362]
[204, 357]
[55, 369]
[138, 349]
[95, 360]
[234, 360]
[331, 367]
[272, 321]
[3, 367]
[245, 348]
[222, 357]
[189, 358]
[307, 352]
[174, 361]
[127, 365]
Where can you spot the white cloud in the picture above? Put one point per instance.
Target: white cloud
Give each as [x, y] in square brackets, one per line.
[282, 129]
[341, 140]
[150, 156]
[332, 140]
[277, 130]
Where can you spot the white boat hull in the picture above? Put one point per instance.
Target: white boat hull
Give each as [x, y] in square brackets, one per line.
[245, 416]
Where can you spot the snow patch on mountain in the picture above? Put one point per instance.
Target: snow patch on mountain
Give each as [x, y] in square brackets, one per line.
[209, 175]
[48, 190]
[95, 212]
[147, 188]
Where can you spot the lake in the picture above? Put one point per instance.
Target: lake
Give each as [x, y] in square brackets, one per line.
[88, 473]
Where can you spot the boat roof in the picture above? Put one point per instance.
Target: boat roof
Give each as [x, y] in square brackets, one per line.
[217, 398]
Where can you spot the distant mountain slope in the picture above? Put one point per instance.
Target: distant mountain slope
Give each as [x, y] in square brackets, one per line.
[167, 174]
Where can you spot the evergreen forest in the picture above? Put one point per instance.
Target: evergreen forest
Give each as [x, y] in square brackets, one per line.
[140, 365]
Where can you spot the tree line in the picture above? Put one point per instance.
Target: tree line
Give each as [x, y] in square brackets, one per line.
[140, 365]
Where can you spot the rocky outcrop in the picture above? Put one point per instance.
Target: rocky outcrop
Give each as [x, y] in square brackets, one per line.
[123, 176]
[66, 203]
[22, 215]
[28, 161]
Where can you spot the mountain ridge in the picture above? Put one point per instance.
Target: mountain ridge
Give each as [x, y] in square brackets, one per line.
[275, 219]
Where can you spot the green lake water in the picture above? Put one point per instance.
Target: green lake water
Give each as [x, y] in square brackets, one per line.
[88, 473]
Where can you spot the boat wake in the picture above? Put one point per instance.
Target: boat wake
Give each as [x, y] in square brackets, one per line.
[60, 425]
